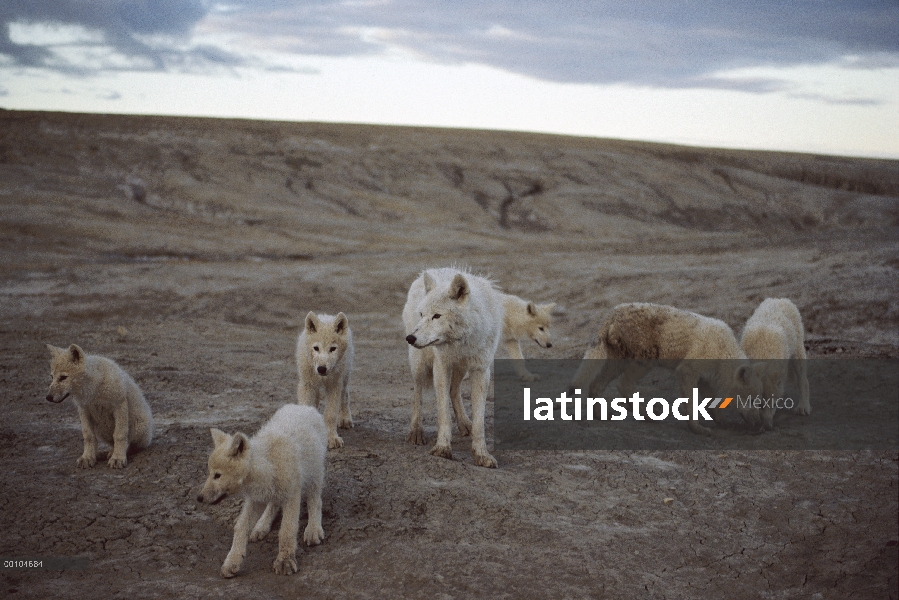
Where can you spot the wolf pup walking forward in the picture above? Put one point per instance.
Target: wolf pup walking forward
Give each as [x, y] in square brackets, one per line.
[325, 361]
[282, 462]
[525, 321]
[110, 405]
[774, 333]
[453, 322]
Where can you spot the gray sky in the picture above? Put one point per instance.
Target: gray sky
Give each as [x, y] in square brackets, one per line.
[660, 45]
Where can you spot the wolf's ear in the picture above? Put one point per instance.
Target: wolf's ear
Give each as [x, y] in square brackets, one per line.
[532, 310]
[239, 445]
[340, 324]
[458, 289]
[54, 350]
[547, 308]
[76, 354]
[312, 323]
[744, 374]
[429, 282]
[219, 437]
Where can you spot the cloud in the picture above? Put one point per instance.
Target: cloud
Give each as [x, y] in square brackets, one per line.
[115, 35]
[671, 44]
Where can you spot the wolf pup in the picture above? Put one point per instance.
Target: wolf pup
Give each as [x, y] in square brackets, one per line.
[283, 462]
[325, 361]
[525, 321]
[454, 322]
[774, 333]
[110, 405]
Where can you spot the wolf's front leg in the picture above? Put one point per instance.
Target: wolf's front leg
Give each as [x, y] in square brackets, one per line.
[119, 457]
[514, 349]
[480, 383]
[286, 563]
[416, 434]
[264, 524]
[442, 375]
[248, 515]
[88, 458]
[314, 534]
[332, 405]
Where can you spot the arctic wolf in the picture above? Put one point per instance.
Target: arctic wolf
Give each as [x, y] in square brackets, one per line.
[525, 321]
[651, 331]
[453, 322]
[110, 405]
[774, 331]
[283, 462]
[324, 362]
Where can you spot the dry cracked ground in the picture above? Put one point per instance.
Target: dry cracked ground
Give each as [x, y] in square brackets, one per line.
[190, 250]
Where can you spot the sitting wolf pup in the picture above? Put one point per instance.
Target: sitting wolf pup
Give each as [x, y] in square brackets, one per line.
[324, 362]
[525, 320]
[656, 332]
[110, 405]
[282, 462]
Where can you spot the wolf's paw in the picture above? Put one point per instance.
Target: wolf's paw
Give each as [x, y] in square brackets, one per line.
[313, 535]
[257, 535]
[285, 566]
[345, 423]
[484, 460]
[335, 442]
[528, 376]
[416, 436]
[230, 568]
[86, 462]
[442, 451]
[464, 428]
[116, 462]
[803, 410]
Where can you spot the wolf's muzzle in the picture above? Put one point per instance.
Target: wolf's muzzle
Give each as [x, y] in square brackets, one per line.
[322, 370]
[50, 398]
[411, 339]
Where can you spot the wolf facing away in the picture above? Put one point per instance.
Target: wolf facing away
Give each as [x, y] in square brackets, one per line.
[453, 322]
[525, 320]
[775, 333]
[110, 404]
[324, 362]
[278, 466]
[645, 331]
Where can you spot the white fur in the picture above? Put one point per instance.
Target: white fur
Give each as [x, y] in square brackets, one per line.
[324, 362]
[642, 331]
[453, 322]
[283, 462]
[775, 331]
[110, 404]
[525, 321]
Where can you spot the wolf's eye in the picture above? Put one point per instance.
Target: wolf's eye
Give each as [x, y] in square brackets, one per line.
[315, 348]
[436, 316]
[421, 314]
[217, 475]
[62, 377]
[541, 329]
[332, 348]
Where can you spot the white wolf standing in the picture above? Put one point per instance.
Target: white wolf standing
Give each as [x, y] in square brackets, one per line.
[453, 321]
[110, 404]
[525, 320]
[283, 462]
[325, 362]
[775, 333]
[645, 331]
